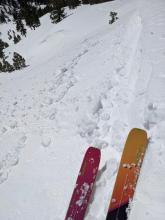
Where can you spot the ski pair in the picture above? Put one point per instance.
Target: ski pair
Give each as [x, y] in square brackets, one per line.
[126, 180]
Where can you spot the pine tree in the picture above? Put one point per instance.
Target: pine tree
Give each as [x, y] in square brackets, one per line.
[15, 15]
[18, 61]
[6, 66]
[3, 45]
[1, 66]
[1, 54]
[73, 3]
[113, 16]
[9, 35]
[17, 38]
[58, 12]
[85, 2]
[30, 14]
[2, 17]
[20, 27]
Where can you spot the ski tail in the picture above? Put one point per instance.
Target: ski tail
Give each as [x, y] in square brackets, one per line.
[84, 185]
[128, 173]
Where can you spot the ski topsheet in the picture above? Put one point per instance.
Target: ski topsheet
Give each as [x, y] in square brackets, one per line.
[84, 185]
[128, 173]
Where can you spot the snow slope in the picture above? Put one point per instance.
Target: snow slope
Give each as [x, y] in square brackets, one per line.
[87, 83]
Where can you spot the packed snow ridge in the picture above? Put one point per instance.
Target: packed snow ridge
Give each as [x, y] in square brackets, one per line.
[87, 83]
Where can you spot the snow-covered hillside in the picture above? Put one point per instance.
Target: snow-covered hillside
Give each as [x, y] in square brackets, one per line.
[87, 83]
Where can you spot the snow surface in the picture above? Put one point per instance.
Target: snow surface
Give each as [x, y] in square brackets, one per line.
[87, 83]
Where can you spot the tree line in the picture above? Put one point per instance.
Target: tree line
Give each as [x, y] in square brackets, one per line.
[27, 13]
[30, 10]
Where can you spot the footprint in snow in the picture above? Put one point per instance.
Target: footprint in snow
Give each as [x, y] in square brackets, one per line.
[46, 141]
[10, 146]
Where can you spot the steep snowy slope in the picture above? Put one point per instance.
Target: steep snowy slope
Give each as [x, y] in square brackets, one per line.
[87, 83]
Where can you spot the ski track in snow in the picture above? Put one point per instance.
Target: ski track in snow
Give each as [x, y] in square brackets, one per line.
[91, 93]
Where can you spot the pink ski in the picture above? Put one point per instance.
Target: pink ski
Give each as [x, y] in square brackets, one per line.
[84, 185]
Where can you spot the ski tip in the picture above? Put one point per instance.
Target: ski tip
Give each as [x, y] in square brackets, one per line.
[93, 150]
[139, 131]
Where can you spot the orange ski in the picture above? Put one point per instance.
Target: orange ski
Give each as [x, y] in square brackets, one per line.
[128, 173]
